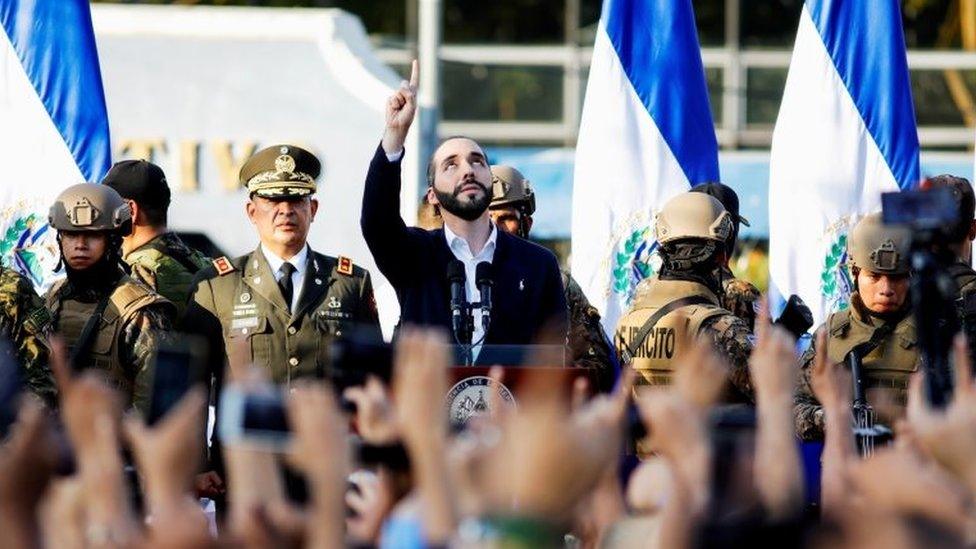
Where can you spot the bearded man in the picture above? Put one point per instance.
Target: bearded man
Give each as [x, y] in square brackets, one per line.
[526, 284]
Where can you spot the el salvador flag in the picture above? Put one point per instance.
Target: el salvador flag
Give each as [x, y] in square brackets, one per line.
[845, 134]
[646, 134]
[53, 123]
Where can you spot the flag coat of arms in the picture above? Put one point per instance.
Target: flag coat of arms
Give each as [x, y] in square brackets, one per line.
[646, 134]
[54, 130]
[845, 134]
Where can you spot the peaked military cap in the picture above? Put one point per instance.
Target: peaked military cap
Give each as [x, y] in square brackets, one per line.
[280, 171]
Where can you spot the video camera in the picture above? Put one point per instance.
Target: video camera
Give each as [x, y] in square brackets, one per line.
[930, 215]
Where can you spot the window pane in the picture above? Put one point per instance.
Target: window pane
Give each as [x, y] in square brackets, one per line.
[713, 78]
[482, 92]
[764, 90]
[935, 105]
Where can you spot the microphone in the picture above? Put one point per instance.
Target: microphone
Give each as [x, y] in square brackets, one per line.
[485, 281]
[455, 275]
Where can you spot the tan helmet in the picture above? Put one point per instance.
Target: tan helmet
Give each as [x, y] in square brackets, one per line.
[693, 215]
[510, 188]
[879, 248]
[90, 207]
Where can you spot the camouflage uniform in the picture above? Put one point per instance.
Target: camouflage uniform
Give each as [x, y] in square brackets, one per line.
[690, 228]
[887, 368]
[167, 265]
[655, 359]
[739, 297]
[134, 317]
[26, 323]
[125, 342]
[883, 250]
[588, 345]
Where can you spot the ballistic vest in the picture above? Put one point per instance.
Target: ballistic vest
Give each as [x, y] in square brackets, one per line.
[655, 357]
[888, 367]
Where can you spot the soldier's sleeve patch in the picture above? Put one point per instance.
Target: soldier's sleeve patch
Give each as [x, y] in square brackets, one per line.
[38, 321]
[223, 265]
[344, 266]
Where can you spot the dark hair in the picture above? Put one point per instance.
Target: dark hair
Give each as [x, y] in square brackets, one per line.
[155, 215]
[431, 169]
[965, 199]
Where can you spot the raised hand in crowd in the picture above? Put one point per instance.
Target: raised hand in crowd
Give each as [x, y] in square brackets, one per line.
[949, 436]
[321, 453]
[420, 368]
[778, 471]
[831, 384]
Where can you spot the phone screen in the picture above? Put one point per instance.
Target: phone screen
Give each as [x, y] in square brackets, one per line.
[177, 367]
[264, 414]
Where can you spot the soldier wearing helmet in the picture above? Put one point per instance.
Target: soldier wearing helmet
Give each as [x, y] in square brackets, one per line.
[738, 296]
[682, 302]
[880, 312]
[110, 321]
[511, 209]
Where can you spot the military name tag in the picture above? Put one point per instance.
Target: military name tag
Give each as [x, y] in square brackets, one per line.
[249, 322]
[334, 314]
[248, 309]
[472, 397]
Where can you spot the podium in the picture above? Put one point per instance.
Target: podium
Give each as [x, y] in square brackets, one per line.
[470, 389]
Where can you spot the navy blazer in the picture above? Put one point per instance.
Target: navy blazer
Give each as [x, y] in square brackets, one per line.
[528, 292]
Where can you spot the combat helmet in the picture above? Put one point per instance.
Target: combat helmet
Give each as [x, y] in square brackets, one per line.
[90, 207]
[879, 248]
[510, 188]
[693, 216]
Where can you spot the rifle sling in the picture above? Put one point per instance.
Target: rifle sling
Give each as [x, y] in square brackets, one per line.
[84, 343]
[630, 351]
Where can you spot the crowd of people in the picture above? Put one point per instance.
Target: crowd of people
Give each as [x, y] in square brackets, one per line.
[700, 424]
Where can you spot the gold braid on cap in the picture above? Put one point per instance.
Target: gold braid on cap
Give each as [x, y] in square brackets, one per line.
[284, 172]
[269, 176]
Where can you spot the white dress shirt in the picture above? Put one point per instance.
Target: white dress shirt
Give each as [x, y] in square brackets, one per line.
[459, 247]
[299, 261]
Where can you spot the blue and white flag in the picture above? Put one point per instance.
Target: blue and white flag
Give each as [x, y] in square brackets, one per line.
[53, 123]
[646, 134]
[845, 134]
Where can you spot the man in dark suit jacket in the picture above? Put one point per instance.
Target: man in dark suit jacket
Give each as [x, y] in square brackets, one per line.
[527, 295]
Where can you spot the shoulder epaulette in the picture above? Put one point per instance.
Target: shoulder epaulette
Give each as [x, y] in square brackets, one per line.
[223, 265]
[344, 266]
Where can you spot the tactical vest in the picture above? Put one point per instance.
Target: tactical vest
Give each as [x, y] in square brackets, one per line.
[888, 367]
[71, 316]
[655, 358]
[170, 276]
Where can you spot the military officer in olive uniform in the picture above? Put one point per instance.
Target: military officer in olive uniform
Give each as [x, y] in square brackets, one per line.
[284, 300]
[110, 321]
[682, 302]
[26, 323]
[156, 256]
[878, 258]
[511, 209]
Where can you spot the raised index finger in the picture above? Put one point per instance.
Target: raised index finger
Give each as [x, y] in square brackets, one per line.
[414, 74]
